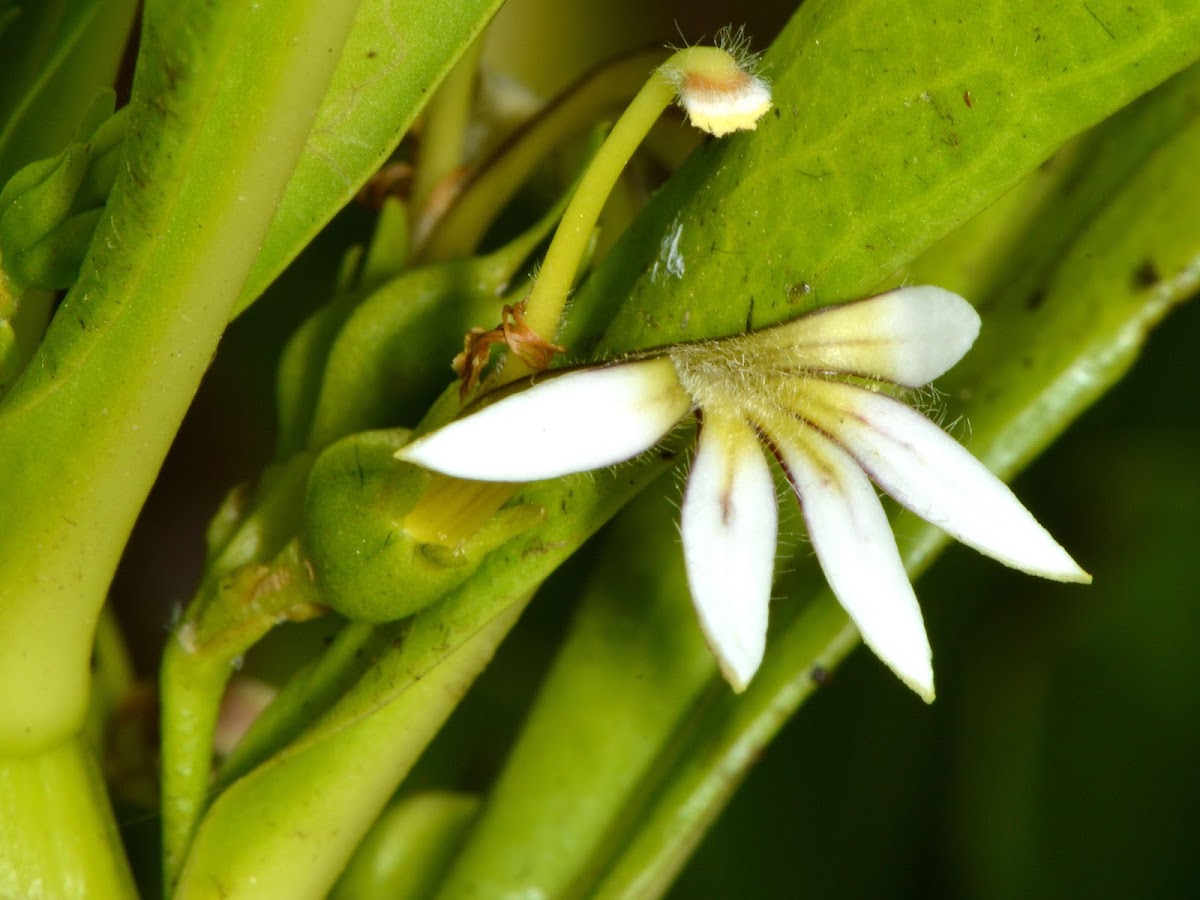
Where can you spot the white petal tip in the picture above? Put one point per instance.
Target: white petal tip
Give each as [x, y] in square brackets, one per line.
[1032, 550]
[923, 689]
[1071, 574]
[737, 665]
[916, 672]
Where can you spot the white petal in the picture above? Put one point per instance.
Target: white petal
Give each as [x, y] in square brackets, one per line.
[580, 420]
[908, 336]
[729, 529]
[933, 475]
[857, 552]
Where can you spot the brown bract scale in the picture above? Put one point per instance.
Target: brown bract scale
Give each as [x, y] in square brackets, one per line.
[530, 347]
[393, 180]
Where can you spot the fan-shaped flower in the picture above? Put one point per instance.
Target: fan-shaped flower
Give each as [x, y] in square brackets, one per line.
[808, 391]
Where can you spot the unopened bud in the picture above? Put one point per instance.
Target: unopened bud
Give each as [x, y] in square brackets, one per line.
[717, 91]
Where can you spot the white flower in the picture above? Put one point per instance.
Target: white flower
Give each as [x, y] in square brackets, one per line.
[808, 391]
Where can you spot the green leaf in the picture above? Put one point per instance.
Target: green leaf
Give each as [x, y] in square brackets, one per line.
[396, 55]
[872, 153]
[623, 683]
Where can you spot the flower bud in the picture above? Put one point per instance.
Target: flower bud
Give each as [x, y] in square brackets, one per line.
[50, 208]
[717, 91]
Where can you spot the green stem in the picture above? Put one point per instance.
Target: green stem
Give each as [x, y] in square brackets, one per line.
[57, 834]
[197, 663]
[459, 232]
[192, 687]
[307, 696]
[222, 105]
[548, 296]
[444, 134]
[328, 789]
[546, 300]
[733, 734]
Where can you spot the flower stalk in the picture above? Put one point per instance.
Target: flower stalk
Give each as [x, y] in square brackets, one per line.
[719, 97]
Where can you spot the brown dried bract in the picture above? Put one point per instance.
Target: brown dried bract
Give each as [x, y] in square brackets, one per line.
[393, 180]
[530, 347]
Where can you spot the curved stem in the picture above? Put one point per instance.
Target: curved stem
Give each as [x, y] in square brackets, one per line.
[198, 660]
[444, 134]
[459, 232]
[57, 833]
[546, 300]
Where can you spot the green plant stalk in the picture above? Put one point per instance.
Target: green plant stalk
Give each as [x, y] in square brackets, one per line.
[198, 660]
[319, 811]
[406, 853]
[85, 429]
[732, 736]
[57, 835]
[443, 139]
[459, 232]
[306, 697]
[548, 297]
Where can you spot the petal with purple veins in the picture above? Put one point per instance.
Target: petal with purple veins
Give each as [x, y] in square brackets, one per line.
[930, 473]
[857, 552]
[729, 523]
[907, 336]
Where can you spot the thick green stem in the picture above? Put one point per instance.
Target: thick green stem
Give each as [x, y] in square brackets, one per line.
[57, 834]
[222, 105]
